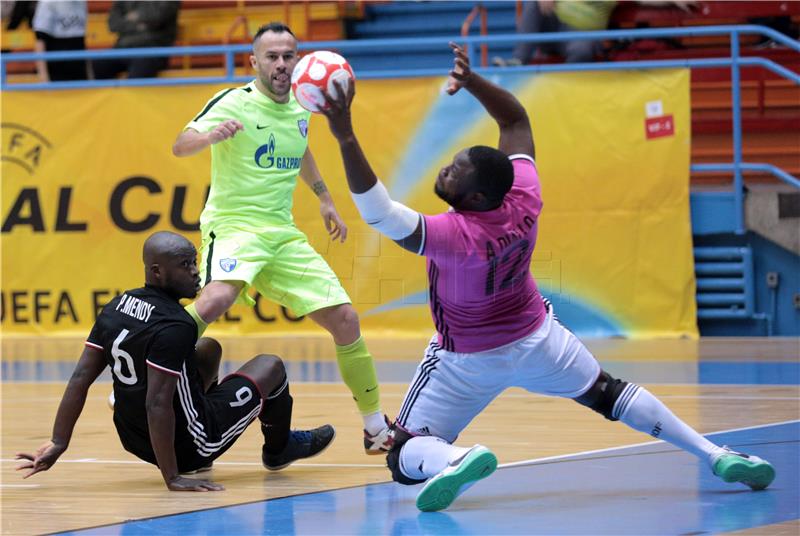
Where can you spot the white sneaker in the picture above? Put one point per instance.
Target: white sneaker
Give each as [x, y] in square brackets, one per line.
[441, 490]
[380, 443]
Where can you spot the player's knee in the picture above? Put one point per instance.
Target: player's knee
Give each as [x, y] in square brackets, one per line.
[348, 318]
[271, 365]
[208, 349]
[603, 395]
[393, 457]
[216, 298]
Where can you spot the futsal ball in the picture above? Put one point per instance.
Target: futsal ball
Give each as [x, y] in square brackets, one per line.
[317, 71]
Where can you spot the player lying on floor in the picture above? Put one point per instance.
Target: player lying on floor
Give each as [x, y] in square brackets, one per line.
[169, 409]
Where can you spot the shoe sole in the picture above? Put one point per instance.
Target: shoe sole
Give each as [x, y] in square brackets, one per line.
[440, 492]
[284, 466]
[757, 476]
[379, 452]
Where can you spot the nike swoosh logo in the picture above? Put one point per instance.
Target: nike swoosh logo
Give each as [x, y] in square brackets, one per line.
[259, 127]
[370, 390]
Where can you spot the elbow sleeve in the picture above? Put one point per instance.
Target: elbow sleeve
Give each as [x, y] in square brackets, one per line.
[390, 218]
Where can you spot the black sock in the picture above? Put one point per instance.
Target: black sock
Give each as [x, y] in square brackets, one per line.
[276, 418]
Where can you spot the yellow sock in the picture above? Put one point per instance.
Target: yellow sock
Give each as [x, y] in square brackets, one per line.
[358, 372]
[201, 324]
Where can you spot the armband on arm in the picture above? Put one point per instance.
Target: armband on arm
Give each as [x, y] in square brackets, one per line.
[390, 218]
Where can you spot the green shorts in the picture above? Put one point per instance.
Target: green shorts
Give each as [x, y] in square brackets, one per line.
[279, 262]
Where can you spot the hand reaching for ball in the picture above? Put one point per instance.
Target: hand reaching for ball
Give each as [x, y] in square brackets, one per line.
[337, 110]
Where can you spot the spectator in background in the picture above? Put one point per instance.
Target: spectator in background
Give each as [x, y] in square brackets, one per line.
[567, 16]
[139, 24]
[15, 13]
[6, 9]
[60, 25]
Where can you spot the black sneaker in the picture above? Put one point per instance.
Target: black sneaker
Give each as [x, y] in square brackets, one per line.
[302, 444]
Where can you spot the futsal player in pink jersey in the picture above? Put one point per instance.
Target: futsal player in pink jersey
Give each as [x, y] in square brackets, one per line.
[494, 329]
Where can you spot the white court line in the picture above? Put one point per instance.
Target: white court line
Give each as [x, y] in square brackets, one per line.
[350, 465]
[534, 461]
[216, 463]
[20, 485]
[404, 383]
[19, 400]
[731, 397]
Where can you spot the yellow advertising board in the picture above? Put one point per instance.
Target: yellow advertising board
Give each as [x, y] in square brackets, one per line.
[88, 174]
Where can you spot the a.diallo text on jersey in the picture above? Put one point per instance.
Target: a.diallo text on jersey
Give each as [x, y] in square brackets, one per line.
[138, 309]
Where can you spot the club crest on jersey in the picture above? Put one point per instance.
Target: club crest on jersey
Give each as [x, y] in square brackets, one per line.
[227, 264]
[302, 124]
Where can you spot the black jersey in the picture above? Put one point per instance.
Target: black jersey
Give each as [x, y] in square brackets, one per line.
[141, 329]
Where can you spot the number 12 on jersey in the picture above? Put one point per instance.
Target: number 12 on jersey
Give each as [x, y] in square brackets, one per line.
[515, 273]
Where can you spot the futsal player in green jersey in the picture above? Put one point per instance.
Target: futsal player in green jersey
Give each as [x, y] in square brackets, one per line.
[258, 136]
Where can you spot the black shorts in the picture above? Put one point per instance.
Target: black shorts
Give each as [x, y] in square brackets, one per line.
[206, 425]
[228, 409]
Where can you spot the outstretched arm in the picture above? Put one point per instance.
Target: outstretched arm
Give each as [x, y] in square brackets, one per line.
[390, 218]
[512, 119]
[89, 367]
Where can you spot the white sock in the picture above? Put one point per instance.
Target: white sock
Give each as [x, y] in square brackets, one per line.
[425, 456]
[640, 410]
[374, 422]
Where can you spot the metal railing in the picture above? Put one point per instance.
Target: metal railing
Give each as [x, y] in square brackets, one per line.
[735, 61]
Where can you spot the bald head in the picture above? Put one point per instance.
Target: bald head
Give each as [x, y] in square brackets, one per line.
[164, 243]
[170, 262]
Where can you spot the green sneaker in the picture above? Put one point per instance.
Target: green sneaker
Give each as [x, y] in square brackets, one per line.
[441, 490]
[732, 466]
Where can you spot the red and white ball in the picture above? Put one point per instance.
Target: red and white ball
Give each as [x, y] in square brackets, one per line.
[316, 71]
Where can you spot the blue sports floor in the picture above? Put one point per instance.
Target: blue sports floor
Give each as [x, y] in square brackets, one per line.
[645, 489]
[648, 488]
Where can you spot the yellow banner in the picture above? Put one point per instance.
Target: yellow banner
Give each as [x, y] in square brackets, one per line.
[87, 175]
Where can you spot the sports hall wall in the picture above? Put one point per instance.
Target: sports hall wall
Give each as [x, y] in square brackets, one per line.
[89, 174]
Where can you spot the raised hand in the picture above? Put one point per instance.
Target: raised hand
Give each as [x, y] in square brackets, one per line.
[338, 110]
[461, 73]
[180, 483]
[223, 131]
[42, 460]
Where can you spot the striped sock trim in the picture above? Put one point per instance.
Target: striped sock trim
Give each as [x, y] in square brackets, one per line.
[624, 401]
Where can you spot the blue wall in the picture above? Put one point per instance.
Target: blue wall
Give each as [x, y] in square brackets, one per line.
[777, 305]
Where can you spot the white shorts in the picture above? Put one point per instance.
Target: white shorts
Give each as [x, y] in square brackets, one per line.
[449, 388]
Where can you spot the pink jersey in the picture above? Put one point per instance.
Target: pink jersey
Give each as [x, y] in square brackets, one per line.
[482, 294]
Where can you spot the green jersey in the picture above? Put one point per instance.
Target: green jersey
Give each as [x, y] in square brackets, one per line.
[585, 15]
[254, 173]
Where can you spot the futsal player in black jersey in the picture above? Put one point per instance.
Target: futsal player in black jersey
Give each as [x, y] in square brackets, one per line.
[169, 409]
